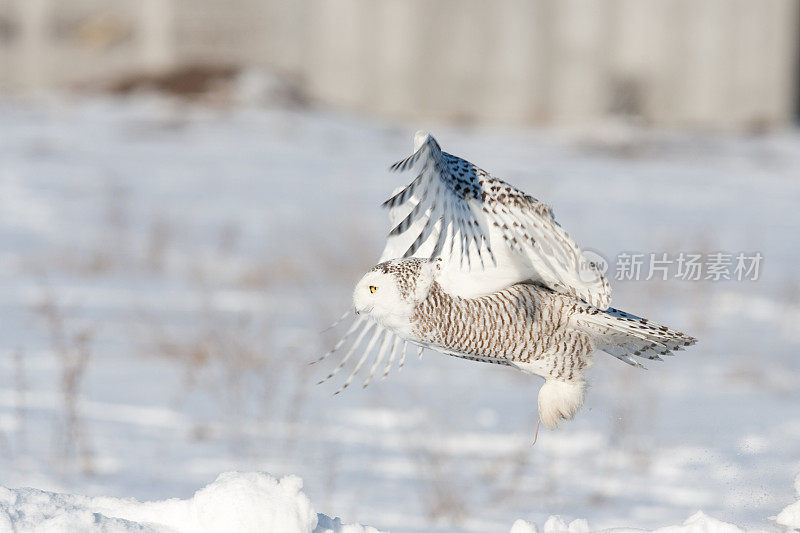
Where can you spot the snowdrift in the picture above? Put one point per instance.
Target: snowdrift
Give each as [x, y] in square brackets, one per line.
[790, 517]
[235, 502]
[697, 523]
[252, 502]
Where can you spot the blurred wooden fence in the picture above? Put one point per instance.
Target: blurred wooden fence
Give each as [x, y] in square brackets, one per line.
[725, 64]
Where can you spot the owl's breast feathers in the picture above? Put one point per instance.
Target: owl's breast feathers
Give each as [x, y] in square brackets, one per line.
[523, 325]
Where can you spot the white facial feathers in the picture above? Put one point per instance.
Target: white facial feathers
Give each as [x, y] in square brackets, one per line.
[390, 291]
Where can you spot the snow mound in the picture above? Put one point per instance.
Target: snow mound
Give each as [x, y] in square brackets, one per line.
[521, 526]
[790, 516]
[697, 523]
[235, 502]
[243, 502]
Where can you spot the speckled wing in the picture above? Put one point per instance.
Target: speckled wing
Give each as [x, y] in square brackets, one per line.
[487, 232]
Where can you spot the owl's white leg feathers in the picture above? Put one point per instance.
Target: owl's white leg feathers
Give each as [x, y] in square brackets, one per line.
[560, 400]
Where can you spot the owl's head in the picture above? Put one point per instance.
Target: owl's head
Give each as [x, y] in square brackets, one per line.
[390, 291]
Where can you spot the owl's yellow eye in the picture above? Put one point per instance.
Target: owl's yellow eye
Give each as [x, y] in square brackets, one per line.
[372, 288]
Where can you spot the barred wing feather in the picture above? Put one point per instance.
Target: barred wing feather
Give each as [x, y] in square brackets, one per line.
[489, 234]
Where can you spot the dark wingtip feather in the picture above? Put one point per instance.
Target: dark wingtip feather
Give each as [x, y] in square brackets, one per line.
[405, 164]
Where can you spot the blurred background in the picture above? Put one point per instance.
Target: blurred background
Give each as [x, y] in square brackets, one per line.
[714, 64]
[190, 189]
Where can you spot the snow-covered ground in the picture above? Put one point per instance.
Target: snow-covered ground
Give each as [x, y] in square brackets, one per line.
[244, 502]
[166, 272]
[234, 502]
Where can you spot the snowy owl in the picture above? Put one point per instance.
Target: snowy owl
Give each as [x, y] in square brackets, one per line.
[477, 269]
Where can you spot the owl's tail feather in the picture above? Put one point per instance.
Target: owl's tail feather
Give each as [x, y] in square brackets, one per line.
[624, 335]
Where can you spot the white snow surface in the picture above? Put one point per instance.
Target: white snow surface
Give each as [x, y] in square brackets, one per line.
[790, 516]
[697, 523]
[249, 502]
[168, 270]
[238, 502]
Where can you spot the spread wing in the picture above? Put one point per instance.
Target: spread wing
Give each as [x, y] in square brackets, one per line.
[485, 230]
[362, 329]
